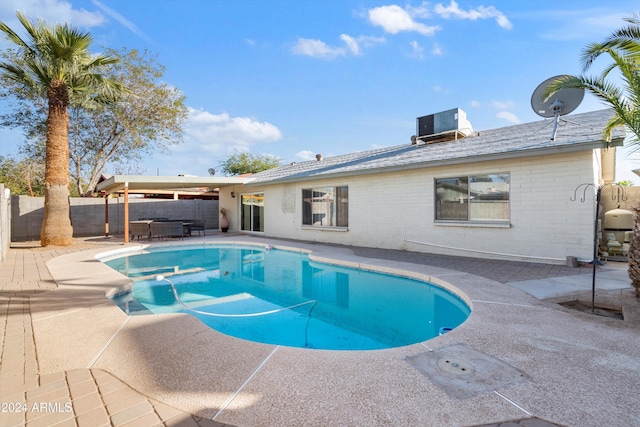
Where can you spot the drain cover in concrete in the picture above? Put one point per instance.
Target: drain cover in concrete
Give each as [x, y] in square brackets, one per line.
[462, 372]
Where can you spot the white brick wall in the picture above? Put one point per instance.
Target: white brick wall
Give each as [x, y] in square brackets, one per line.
[385, 208]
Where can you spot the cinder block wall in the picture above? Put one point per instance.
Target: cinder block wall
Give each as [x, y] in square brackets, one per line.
[626, 197]
[5, 222]
[88, 214]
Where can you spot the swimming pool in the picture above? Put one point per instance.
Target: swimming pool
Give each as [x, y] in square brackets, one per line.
[283, 297]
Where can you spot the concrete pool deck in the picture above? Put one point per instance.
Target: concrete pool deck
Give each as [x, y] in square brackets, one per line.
[71, 357]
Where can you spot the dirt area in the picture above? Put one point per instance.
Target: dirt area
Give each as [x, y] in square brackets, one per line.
[585, 307]
[618, 304]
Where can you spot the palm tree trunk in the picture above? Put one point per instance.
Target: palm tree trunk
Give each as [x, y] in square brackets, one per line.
[634, 253]
[56, 225]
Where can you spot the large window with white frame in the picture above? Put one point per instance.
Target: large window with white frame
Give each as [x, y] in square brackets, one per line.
[473, 198]
[325, 207]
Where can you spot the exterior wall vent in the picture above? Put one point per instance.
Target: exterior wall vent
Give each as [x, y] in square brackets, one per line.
[443, 126]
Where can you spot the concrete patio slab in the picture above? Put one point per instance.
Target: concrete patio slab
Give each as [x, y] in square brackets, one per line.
[463, 372]
[614, 277]
[171, 369]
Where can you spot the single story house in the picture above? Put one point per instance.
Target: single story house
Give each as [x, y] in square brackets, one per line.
[505, 193]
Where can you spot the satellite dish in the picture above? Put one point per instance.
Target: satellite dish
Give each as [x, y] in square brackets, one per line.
[212, 171]
[559, 104]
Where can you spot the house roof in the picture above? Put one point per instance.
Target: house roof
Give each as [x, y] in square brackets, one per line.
[574, 133]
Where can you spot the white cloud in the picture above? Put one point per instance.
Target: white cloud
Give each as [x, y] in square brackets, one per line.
[394, 19]
[482, 12]
[352, 44]
[356, 44]
[51, 11]
[437, 50]
[474, 103]
[417, 51]
[210, 138]
[316, 49]
[421, 11]
[222, 133]
[502, 105]
[503, 21]
[306, 155]
[319, 49]
[510, 117]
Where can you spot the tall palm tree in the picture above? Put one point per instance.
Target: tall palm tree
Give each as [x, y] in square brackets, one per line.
[623, 47]
[54, 62]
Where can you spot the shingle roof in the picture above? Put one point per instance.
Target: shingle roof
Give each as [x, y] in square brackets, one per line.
[575, 132]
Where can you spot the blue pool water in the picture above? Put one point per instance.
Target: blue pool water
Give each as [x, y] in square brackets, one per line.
[281, 297]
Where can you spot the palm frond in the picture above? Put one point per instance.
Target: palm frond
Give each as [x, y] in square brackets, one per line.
[623, 47]
[625, 39]
[605, 91]
[60, 53]
[13, 37]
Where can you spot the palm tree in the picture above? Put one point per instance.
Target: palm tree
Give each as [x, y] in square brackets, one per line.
[54, 62]
[623, 46]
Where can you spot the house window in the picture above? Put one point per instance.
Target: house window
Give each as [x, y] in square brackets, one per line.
[326, 206]
[474, 198]
[252, 214]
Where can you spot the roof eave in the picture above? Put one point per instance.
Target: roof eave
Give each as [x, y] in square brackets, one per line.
[589, 145]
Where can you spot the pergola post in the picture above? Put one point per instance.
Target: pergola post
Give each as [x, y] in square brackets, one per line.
[126, 212]
[106, 214]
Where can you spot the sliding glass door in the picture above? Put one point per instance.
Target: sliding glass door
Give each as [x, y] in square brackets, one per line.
[252, 212]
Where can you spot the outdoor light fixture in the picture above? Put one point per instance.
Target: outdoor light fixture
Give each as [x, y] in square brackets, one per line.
[233, 195]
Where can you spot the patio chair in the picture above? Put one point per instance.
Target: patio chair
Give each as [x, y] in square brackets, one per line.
[198, 225]
[137, 229]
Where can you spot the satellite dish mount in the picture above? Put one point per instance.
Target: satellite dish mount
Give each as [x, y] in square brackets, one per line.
[559, 104]
[211, 171]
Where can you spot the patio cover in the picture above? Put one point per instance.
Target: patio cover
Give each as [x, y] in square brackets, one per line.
[118, 183]
[138, 183]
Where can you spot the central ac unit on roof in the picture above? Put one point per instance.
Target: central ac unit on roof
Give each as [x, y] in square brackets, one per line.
[450, 121]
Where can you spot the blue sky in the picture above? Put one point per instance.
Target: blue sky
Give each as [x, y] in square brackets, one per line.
[298, 77]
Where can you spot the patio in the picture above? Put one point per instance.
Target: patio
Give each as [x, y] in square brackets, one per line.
[535, 362]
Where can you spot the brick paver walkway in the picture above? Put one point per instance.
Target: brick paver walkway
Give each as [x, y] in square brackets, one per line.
[81, 397]
[89, 397]
[498, 270]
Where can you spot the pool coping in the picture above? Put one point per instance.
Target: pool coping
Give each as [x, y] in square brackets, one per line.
[115, 253]
[128, 288]
[177, 360]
